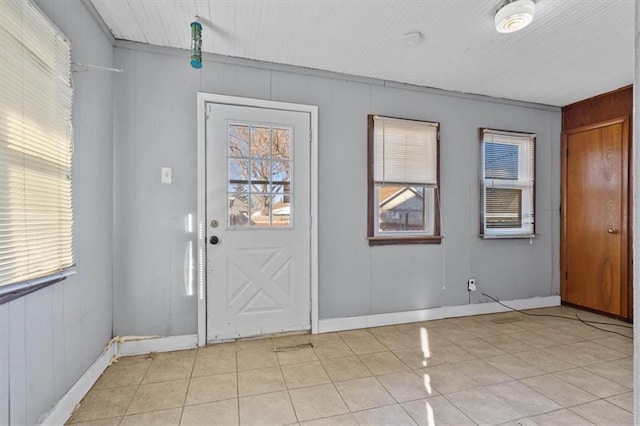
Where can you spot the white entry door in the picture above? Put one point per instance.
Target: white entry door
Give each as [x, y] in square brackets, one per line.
[258, 221]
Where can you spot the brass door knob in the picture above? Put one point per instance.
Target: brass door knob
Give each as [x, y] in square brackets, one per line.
[613, 231]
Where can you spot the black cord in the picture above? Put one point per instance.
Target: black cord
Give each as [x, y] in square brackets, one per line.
[603, 329]
[589, 323]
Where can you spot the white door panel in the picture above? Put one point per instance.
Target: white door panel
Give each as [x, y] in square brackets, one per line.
[258, 194]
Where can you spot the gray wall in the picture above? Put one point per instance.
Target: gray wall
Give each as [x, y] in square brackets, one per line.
[49, 338]
[155, 125]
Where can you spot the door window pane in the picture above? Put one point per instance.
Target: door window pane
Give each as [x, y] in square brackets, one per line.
[260, 142]
[282, 143]
[239, 210]
[238, 172]
[238, 141]
[281, 210]
[259, 176]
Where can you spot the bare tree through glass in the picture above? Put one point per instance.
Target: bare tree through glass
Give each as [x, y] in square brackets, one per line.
[259, 175]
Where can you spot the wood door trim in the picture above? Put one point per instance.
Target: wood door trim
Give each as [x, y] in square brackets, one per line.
[597, 125]
[626, 227]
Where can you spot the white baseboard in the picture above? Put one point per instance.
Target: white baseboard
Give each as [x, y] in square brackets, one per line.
[145, 345]
[379, 320]
[60, 413]
[118, 346]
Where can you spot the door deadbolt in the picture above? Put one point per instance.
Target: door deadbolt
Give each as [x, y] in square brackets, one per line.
[214, 240]
[214, 223]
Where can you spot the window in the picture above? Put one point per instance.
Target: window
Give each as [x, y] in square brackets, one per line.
[260, 182]
[403, 181]
[35, 150]
[507, 185]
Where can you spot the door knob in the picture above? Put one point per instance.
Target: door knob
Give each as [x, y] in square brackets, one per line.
[613, 231]
[214, 240]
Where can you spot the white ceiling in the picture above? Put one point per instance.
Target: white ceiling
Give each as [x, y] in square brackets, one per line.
[574, 49]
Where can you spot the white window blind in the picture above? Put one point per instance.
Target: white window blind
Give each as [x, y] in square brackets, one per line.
[405, 151]
[36, 222]
[508, 179]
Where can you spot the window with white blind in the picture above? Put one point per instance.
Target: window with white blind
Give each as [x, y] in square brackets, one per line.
[36, 221]
[403, 181]
[507, 184]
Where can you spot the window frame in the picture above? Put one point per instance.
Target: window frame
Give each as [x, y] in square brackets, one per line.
[508, 233]
[373, 236]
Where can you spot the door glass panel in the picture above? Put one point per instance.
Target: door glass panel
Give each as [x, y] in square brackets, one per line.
[281, 210]
[260, 161]
[239, 210]
[260, 175]
[238, 172]
[260, 210]
[260, 142]
[238, 141]
[280, 174]
[282, 144]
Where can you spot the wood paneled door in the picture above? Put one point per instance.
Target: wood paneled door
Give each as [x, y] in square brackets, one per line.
[595, 206]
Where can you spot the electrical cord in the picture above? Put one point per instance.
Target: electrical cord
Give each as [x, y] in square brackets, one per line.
[586, 322]
[604, 329]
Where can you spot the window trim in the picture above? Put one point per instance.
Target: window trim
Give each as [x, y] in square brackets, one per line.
[395, 239]
[481, 211]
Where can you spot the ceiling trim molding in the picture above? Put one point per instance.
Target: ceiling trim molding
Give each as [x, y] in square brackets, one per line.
[271, 66]
[96, 17]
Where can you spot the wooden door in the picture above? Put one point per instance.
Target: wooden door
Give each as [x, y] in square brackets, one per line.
[595, 218]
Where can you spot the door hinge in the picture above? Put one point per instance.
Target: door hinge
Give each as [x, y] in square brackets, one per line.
[310, 135]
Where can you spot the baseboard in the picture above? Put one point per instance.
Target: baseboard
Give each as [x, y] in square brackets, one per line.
[60, 413]
[379, 320]
[117, 347]
[143, 345]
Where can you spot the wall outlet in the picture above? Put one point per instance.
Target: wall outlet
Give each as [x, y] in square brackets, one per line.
[471, 284]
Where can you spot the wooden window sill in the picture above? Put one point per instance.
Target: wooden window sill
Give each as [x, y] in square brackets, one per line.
[395, 241]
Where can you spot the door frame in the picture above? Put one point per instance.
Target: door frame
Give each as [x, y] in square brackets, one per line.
[203, 99]
[625, 258]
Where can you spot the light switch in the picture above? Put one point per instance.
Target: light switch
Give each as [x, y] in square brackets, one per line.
[167, 175]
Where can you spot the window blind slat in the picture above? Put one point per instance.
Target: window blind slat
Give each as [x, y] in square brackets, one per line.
[405, 151]
[36, 213]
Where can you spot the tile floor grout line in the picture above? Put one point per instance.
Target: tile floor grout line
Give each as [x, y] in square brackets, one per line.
[184, 402]
[139, 385]
[286, 386]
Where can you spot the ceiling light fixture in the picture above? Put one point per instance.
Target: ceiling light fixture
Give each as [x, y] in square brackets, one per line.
[514, 15]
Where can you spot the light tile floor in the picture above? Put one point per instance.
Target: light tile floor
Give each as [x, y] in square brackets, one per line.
[506, 368]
